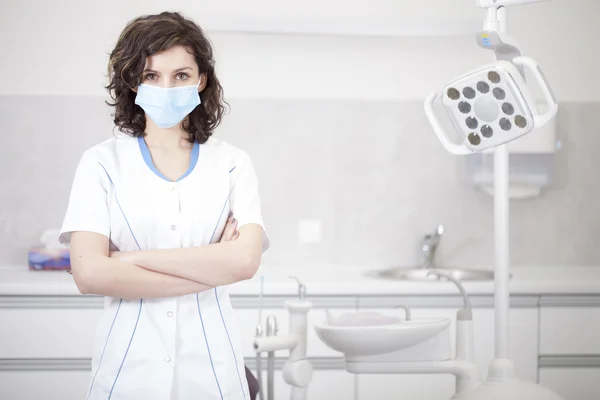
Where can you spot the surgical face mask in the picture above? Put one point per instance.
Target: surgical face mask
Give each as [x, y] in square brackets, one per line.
[167, 107]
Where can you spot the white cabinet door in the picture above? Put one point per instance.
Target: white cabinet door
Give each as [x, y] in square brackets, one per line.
[48, 332]
[523, 350]
[36, 385]
[569, 330]
[413, 387]
[325, 385]
[572, 383]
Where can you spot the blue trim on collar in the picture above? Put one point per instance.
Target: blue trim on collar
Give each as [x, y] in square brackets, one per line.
[148, 159]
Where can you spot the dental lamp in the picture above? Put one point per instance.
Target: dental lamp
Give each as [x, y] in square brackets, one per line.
[487, 108]
[484, 110]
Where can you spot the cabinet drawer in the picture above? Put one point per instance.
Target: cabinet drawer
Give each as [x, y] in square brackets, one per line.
[413, 387]
[569, 330]
[36, 385]
[48, 333]
[572, 383]
[325, 385]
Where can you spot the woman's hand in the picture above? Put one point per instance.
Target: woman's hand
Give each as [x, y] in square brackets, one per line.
[230, 232]
[115, 254]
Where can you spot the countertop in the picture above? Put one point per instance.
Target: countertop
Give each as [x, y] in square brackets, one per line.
[337, 280]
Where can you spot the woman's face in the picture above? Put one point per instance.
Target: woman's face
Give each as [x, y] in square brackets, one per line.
[172, 68]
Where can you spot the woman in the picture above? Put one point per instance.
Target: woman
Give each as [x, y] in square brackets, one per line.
[161, 219]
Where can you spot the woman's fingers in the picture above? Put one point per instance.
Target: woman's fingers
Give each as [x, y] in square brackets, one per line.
[234, 229]
[230, 231]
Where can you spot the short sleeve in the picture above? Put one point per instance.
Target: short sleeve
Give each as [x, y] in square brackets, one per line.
[245, 199]
[87, 209]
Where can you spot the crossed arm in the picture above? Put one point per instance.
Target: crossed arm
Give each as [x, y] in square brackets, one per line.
[164, 273]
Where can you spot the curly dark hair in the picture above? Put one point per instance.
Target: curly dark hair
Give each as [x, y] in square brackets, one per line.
[148, 35]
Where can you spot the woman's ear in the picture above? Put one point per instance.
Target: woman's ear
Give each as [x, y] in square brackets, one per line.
[203, 81]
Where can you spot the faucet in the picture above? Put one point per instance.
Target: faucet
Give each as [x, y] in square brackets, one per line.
[429, 245]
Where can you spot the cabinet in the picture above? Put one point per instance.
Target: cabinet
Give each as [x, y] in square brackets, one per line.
[569, 347]
[572, 383]
[47, 344]
[570, 330]
[46, 347]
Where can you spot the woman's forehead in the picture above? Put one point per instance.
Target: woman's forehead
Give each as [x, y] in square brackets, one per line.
[173, 59]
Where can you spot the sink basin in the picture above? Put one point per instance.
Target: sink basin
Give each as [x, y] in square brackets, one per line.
[371, 333]
[420, 274]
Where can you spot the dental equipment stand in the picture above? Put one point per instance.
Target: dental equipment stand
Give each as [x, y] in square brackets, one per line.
[488, 107]
[297, 370]
[502, 382]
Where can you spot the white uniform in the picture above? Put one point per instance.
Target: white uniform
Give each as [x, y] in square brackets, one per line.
[181, 348]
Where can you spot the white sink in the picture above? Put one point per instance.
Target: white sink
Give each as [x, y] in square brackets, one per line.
[372, 333]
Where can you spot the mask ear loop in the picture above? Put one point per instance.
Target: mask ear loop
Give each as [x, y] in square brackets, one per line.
[197, 87]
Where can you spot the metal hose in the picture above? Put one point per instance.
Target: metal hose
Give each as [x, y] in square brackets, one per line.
[271, 375]
[261, 395]
[271, 331]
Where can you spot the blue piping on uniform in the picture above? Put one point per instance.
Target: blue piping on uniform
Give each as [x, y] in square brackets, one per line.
[141, 300]
[230, 344]
[126, 351]
[104, 348]
[208, 348]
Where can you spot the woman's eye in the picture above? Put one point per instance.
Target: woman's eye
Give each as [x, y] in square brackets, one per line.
[151, 77]
[182, 76]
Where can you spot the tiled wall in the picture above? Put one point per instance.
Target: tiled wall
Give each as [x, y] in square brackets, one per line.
[372, 172]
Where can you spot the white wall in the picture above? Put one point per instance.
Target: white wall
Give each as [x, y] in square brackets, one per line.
[60, 47]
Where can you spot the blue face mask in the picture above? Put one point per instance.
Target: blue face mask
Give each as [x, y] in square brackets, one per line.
[167, 107]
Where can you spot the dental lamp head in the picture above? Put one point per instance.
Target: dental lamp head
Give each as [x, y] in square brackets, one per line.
[491, 105]
[484, 109]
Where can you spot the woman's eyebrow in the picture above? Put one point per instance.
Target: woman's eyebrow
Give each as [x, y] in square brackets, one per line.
[177, 70]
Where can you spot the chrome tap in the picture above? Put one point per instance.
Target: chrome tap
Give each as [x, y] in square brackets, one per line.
[429, 245]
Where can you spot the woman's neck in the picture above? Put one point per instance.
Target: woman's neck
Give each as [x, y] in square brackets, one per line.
[171, 138]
